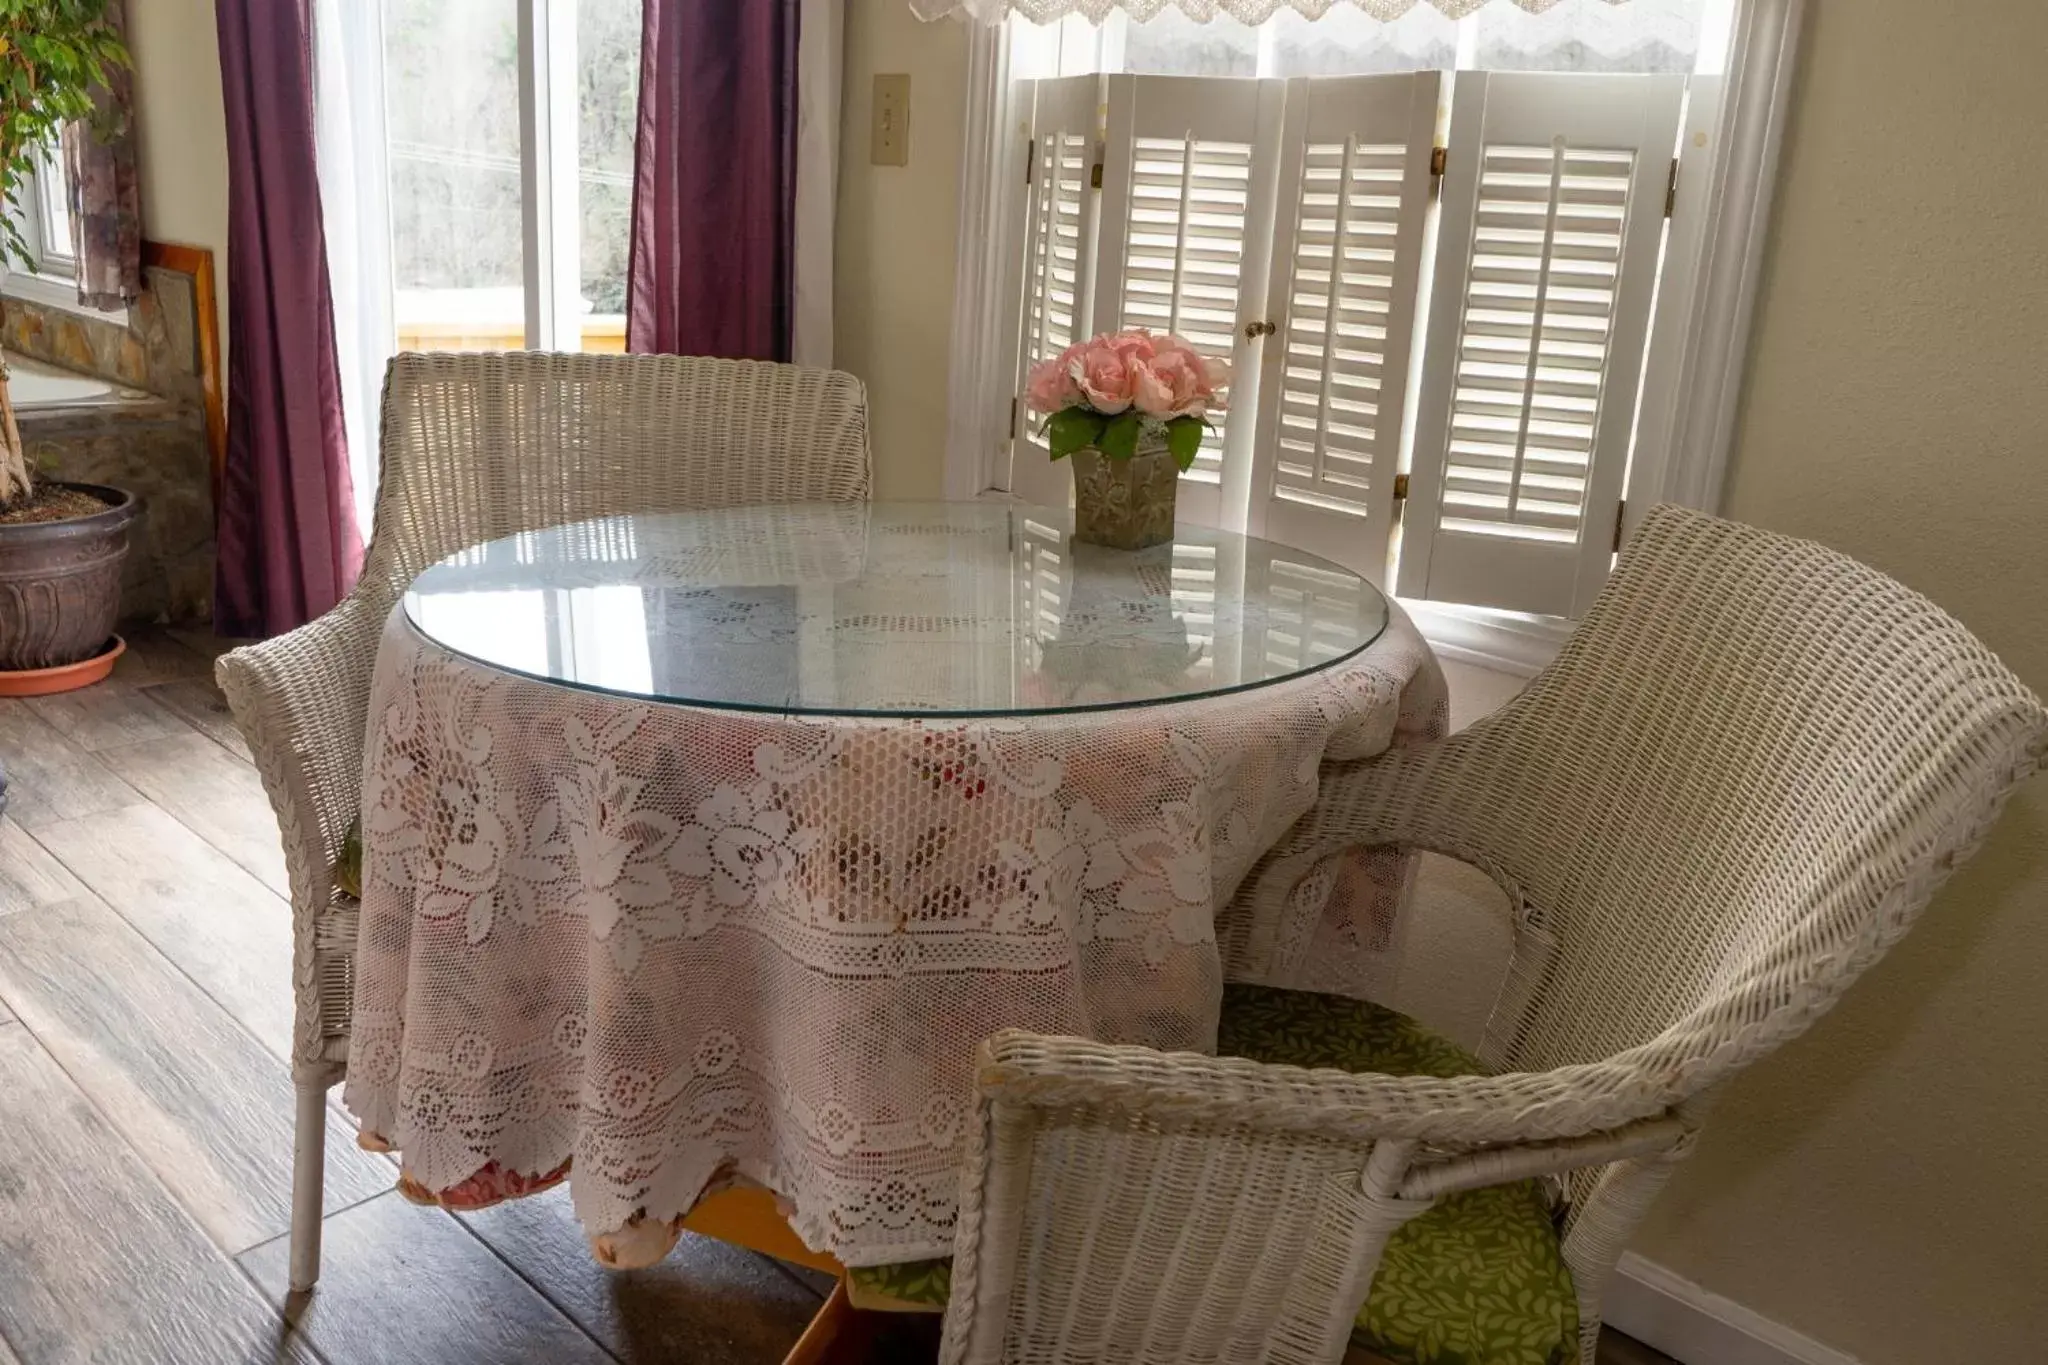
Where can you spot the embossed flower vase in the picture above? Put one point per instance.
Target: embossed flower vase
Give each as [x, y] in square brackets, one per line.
[1124, 504]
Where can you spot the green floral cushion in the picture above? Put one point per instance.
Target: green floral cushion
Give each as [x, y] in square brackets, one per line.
[348, 868]
[1299, 1028]
[907, 1287]
[1478, 1280]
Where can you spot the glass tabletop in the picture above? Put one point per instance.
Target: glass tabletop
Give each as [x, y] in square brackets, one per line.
[956, 609]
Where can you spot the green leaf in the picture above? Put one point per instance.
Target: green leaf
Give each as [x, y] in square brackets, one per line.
[1184, 438]
[1067, 430]
[1119, 439]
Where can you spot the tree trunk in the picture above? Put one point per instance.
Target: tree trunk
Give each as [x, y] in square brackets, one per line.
[15, 485]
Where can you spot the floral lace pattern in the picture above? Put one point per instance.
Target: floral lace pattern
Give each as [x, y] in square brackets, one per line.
[669, 944]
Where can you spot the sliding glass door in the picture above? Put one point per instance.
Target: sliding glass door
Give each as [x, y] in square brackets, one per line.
[509, 145]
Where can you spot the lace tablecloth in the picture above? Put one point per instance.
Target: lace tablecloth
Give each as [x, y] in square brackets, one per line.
[678, 945]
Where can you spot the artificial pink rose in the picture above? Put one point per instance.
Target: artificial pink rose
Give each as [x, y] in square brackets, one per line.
[1211, 376]
[1152, 391]
[1051, 386]
[1105, 379]
[1216, 374]
[1177, 381]
[1137, 344]
[1171, 384]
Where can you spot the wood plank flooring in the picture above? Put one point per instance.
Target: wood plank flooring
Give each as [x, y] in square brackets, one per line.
[97, 1261]
[146, 1105]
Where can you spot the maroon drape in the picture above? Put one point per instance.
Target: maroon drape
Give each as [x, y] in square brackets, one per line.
[714, 180]
[288, 542]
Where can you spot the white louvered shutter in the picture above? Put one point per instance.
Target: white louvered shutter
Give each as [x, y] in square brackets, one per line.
[1059, 257]
[1547, 258]
[1353, 201]
[1187, 191]
[1059, 230]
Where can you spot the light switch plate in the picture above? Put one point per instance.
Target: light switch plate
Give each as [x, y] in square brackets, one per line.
[891, 133]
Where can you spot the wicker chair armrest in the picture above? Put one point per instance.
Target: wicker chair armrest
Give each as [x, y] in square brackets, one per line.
[301, 700]
[1655, 1136]
[1188, 1089]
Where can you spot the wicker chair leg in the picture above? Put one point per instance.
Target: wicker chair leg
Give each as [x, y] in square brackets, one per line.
[309, 1181]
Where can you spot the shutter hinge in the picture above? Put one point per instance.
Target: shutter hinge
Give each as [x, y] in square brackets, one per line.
[1030, 159]
[1013, 418]
[1437, 157]
[1671, 190]
[1095, 176]
[1620, 511]
[1400, 488]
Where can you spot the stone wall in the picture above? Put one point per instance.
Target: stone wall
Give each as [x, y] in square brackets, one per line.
[157, 352]
[156, 449]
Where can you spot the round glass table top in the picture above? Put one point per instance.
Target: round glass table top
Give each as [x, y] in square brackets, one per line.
[956, 609]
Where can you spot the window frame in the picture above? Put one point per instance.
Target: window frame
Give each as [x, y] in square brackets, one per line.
[53, 281]
[54, 260]
[1698, 344]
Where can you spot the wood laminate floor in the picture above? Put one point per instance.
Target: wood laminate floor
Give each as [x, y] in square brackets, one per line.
[146, 1105]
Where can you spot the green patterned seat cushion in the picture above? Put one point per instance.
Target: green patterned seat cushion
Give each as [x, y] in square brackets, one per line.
[348, 868]
[1478, 1280]
[906, 1287]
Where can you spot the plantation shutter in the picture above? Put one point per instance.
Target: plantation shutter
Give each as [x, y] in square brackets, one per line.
[1546, 266]
[1187, 192]
[1353, 200]
[1059, 236]
[1059, 256]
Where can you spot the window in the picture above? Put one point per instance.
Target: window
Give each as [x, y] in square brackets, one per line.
[476, 182]
[1442, 254]
[41, 213]
[509, 131]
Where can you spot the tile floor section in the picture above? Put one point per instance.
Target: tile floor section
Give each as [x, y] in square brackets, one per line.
[146, 1106]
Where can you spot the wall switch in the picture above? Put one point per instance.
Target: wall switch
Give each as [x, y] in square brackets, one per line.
[891, 143]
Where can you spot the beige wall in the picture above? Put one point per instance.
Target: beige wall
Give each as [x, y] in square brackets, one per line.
[181, 133]
[893, 295]
[1883, 1184]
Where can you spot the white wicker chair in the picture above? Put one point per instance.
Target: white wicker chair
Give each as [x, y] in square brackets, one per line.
[476, 447]
[1735, 788]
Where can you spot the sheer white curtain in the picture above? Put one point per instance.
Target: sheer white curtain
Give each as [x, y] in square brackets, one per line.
[355, 203]
[820, 61]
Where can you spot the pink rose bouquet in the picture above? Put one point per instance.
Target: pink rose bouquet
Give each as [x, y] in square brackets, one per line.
[1111, 390]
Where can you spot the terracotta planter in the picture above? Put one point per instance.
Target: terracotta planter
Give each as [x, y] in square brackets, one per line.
[60, 583]
[1124, 504]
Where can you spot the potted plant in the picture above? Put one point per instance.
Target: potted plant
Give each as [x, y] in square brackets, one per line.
[61, 545]
[1130, 408]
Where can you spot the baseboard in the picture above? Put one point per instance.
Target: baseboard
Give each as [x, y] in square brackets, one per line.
[1669, 1313]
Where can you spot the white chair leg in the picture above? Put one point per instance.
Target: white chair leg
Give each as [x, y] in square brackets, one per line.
[309, 1182]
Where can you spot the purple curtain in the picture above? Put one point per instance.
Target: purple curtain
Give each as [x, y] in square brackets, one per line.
[714, 180]
[106, 196]
[288, 542]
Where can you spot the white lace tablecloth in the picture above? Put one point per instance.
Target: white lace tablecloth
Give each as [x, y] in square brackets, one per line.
[679, 944]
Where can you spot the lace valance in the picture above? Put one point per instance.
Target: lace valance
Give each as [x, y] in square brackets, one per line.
[1249, 11]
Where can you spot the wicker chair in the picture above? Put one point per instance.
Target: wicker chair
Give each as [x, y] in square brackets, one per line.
[476, 447]
[1735, 788]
